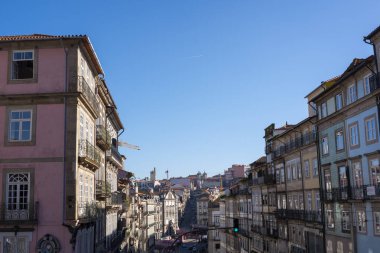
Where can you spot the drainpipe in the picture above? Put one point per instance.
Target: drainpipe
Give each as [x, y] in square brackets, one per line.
[368, 41]
[64, 134]
[321, 196]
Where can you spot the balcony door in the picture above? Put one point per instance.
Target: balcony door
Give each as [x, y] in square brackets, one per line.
[17, 200]
[15, 244]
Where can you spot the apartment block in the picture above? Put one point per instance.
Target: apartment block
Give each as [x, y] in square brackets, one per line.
[58, 146]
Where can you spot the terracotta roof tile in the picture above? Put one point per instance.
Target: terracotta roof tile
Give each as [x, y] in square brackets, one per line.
[37, 36]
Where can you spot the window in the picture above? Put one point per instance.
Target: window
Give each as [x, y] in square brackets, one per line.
[370, 129]
[375, 171]
[309, 201]
[338, 102]
[367, 88]
[330, 218]
[307, 168]
[376, 222]
[20, 125]
[351, 94]
[22, 65]
[328, 180]
[354, 135]
[346, 226]
[325, 145]
[289, 172]
[324, 110]
[315, 167]
[358, 174]
[339, 140]
[362, 226]
[317, 202]
[17, 192]
[343, 182]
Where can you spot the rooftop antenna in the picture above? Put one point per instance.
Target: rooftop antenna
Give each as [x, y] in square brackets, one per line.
[167, 174]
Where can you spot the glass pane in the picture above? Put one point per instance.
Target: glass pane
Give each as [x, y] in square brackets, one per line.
[26, 115]
[25, 135]
[26, 125]
[15, 115]
[28, 55]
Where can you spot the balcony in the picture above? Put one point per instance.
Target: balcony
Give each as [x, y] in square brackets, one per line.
[88, 155]
[116, 199]
[290, 214]
[299, 142]
[256, 228]
[339, 194]
[10, 214]
[90, 97]
[103, 189]
[87, 211]
[269, 178]
[115, 156]
[268, 231]
[313, 216]
[103, 138]
[258, 180]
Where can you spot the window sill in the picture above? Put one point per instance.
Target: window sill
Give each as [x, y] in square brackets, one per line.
[22, 81]
[19, 143]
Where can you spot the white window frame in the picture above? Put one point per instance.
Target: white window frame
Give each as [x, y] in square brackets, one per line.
[325, 145]
[339, 134]
[338, 102]
[351, 94]
[324, 111]
[370, 132]
[361, 221]
[24, 59]
[20, 121]
[354, 134]
[367, 88]
[17, 208]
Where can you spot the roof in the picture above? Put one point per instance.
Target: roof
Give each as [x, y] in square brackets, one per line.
[371, 34]
[262, 159]
[355, 65]
[35, 37]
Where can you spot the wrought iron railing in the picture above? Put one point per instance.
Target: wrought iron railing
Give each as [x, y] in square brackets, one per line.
[89, 152]
[12, 213]
[116, 198]
[298, 142]
[313, 216]
[114, 152]
[89, 95]
[103, 138]
[103, 189]
[87, 210]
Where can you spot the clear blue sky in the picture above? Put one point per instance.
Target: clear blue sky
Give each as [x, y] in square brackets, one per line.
[197, 81]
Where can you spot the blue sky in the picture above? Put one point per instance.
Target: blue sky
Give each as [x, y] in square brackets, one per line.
[197, 81]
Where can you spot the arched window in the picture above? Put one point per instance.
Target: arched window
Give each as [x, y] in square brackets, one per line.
[17, 201]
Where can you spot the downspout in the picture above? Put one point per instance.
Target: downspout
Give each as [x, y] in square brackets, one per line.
[64, 134]
[368, 41]
[321, 196]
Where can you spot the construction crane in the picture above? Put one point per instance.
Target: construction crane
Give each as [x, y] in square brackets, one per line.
[127, 145]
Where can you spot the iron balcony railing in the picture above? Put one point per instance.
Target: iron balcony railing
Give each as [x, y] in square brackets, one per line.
[298, 142]
[256, 228]
[116, 198]
[290, 214]
[18, 213]
[103, 138]
[88, 153]
[89, 95]
[365, 192]
[338, 194]
[114, 152]
[87, 210]
[313, 216]
[103, 189]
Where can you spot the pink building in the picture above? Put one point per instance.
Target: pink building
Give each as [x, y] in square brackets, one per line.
[58, 165]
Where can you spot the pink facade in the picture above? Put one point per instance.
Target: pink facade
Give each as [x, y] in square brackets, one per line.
[43, 159]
